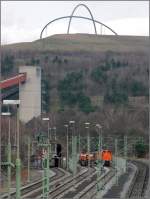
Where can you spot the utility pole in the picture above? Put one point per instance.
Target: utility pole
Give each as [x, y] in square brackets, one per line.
[125, 152]
[0, 142]
[18, 161]
[29, 159]
[88, 145]
[79, 150]
[74, 151]
[99, 161]
[55, 139]
[116, 161]
[67, 149]
[8, 163]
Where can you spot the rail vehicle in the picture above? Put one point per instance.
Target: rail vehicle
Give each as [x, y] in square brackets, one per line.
[85, 157]
[105, 156]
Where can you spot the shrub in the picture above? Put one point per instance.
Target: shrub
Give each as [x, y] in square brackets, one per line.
[85, 104]
[70, 87]
[114, 94]
[98, 75]
[141, 148]
[7, 63]
[116, 97]
[45, 95]
[138, 89]
[66, 61]
[71, 92]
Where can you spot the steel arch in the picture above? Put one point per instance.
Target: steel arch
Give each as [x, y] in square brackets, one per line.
[92, 18]
[80, 17]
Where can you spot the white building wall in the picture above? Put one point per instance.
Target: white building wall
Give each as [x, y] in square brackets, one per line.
[30, 93]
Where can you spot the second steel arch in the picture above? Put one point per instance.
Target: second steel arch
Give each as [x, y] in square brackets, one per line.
[92, 18]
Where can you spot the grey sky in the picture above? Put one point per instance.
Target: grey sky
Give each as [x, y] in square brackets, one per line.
[23, 21]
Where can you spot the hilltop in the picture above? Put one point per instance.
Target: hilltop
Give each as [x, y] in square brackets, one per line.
[85, 42]
[89, 77]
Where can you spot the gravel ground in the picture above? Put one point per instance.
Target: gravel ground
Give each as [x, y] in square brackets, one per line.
[116, 190]
[35, 175]
[79, 188]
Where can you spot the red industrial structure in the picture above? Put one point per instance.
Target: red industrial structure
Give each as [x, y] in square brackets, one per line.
[13, 81]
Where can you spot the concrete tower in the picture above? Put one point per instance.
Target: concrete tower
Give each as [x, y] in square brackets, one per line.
[30, 93]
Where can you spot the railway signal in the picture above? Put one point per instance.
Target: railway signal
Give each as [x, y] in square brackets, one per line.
[46, 165]
[46, 173]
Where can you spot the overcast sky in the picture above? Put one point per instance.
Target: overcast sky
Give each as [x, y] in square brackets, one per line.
[23, 21]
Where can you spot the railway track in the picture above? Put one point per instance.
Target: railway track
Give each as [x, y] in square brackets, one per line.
[84, 184]
[90, 191]
[69, 185]
[36, 185]
[64, 185]
[140, 181]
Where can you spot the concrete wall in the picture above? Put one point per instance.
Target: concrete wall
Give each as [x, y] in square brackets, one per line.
[30, 93]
